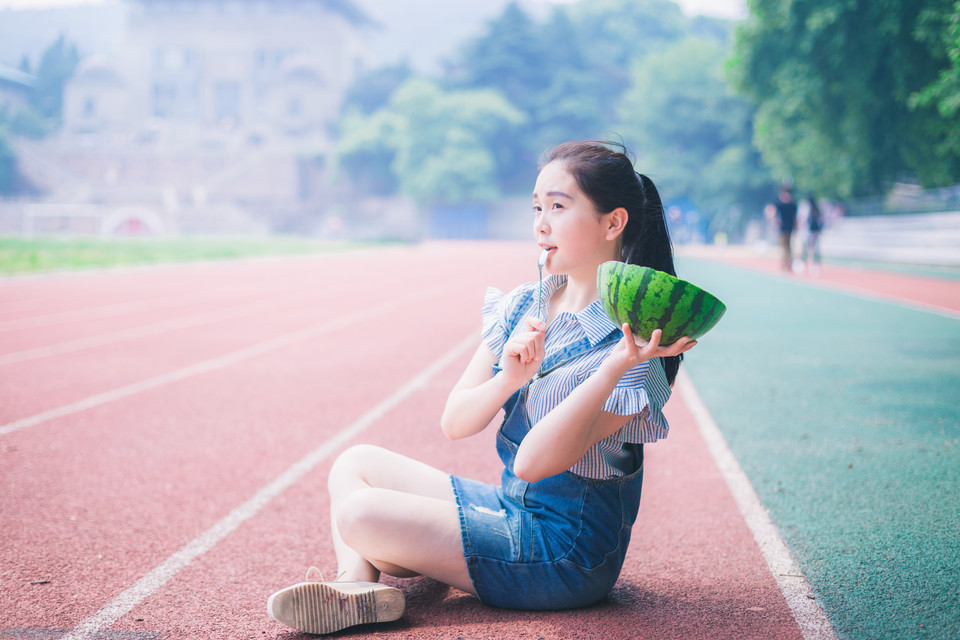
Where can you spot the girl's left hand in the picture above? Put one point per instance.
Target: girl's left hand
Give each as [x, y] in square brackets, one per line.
[633, 350]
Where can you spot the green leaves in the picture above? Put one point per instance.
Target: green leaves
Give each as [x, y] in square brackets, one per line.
[435, 146]
[844, 91]
[692, 134]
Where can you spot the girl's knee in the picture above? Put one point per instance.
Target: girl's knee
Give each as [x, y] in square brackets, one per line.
[352, 463]
[358, 516]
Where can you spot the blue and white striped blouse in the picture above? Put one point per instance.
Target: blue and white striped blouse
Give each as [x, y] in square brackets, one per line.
[642, 391]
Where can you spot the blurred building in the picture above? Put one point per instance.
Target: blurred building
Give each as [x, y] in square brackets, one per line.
[213, 115]
[15, 88]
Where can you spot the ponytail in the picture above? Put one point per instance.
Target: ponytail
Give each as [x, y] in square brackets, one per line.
[653, 249]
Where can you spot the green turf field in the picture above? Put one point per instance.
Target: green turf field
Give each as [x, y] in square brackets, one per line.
[845, 415]
[25, 255]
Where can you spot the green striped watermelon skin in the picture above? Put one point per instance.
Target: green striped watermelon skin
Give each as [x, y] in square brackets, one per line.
[648, 299]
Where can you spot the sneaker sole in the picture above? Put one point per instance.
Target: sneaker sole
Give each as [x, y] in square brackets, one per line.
[315, 607]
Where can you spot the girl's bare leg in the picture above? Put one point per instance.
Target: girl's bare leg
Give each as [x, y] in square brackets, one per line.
[397, 515]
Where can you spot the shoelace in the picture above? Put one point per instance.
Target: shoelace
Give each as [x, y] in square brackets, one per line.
[315, 575]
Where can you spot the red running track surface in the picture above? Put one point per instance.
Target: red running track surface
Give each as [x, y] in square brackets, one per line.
[165, 435]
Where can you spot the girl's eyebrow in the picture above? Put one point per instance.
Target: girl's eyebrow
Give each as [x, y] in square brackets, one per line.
[556, 193]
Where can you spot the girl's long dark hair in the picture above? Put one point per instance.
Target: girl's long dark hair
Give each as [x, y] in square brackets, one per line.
[605, 174]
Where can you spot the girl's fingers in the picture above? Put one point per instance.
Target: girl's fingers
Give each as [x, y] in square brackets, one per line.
[651, 346]
[630, 341]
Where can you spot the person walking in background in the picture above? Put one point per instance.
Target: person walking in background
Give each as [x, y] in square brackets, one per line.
[785, 212]
[811, 244]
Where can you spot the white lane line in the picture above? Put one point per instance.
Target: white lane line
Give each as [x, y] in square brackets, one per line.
[885, 298]
[146, 586]
[135, 333]
[213, 364]
[87, 313]
[796, 589]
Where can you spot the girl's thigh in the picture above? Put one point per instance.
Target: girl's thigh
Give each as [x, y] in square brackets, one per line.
[404, 534]
[366, 466]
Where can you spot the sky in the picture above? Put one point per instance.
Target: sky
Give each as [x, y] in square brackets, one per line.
[719, 8]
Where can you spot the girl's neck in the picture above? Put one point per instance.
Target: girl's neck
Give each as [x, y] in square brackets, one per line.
[573, 297]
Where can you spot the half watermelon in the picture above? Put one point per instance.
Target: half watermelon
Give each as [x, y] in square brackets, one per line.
[648, 299]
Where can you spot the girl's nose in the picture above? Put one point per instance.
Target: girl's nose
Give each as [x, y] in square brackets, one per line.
[540, 223]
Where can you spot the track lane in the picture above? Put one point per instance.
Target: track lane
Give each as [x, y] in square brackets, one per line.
[937, 295]
[175, 460]
[145, 475]
[39, 384]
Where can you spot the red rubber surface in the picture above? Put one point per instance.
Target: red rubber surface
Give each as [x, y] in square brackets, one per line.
[925, 291]
[95, 499]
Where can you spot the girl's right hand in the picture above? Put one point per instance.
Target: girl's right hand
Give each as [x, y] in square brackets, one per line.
[523, 353]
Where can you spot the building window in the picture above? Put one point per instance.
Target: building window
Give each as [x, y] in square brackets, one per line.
[226, 97]
[164, 100]
[294, 108]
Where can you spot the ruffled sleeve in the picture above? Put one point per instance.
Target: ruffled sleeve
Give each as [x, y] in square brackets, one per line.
[643, 391]
[494, 332]
[629, 396]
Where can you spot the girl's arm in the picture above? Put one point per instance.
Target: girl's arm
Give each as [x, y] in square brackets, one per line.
[479, 395]
[564, 435]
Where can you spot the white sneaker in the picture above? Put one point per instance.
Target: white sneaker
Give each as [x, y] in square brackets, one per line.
[325, 607]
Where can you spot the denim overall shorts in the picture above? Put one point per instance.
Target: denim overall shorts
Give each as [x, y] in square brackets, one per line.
[557, 543]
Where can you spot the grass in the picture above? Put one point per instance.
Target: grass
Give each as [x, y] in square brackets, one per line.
[29, 255]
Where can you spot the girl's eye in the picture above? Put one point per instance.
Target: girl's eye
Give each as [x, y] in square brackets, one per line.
[557, 205]
[537, 208]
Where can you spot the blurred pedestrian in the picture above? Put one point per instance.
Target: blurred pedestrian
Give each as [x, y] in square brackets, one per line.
[811, 244]
[785, 213]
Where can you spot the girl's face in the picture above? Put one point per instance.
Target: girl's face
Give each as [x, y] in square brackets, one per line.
[568, 225]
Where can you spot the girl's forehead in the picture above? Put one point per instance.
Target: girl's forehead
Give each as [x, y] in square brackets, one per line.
[555, 179]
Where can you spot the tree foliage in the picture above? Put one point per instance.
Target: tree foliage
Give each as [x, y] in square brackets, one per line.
[440, 146]
[944, 92]
[632, 69]
[835, 84]
[56, 67]
[692, 133]
[8, 164]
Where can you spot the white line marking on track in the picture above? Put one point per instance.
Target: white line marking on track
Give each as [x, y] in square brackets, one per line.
[796, 589]
[212, 364]
[855, 292]
[145, 331]
[159, 575]
[86, 313]
[885, 298]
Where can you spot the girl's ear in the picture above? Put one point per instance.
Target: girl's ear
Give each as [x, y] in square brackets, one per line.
[616, 222]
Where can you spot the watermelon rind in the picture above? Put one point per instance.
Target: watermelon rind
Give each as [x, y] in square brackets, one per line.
[648, 299]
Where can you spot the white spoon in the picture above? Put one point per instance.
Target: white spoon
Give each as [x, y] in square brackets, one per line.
[542, 261]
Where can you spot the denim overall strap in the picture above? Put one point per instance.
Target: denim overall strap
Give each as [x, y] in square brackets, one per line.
[515, 424]
[571, 351]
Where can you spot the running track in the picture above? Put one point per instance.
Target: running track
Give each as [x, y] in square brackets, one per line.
[165, 434]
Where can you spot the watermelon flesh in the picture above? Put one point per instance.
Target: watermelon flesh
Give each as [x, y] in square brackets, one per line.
[648, 299]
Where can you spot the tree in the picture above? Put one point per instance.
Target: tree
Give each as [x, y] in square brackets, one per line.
[619, 32]
[508, 57]
[372, 90]
[8, 165]
[56, 67]
[692, 134]
[944, 92]
[440, 145]
[834, 81]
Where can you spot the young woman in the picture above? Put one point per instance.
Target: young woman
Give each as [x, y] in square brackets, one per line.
[581, 397]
